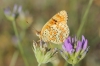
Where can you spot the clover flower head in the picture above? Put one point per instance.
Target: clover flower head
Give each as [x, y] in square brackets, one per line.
[74, 50]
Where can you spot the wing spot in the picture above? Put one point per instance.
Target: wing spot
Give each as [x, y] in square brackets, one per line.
[54, 20]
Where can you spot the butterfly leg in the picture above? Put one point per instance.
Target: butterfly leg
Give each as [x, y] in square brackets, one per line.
[40, 43]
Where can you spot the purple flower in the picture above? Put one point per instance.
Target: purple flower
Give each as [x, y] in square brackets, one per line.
[67, 46]
[70, 43]
[84, 42]
[7, 11]
[74, 49]
[11, 15]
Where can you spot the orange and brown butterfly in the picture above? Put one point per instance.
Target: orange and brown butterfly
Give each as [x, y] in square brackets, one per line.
[56, 29]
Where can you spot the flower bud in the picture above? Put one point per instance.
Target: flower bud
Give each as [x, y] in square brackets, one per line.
[12, 15]
[42, 53]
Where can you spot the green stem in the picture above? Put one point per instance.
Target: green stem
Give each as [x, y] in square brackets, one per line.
[39, 64]
[84, 18]
[22, 34]
[66, 64]
[72, 64]
[19, 43]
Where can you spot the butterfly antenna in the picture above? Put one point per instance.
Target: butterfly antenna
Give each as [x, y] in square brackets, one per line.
[34, 30]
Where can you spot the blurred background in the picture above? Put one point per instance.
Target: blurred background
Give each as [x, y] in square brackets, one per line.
[31, 14]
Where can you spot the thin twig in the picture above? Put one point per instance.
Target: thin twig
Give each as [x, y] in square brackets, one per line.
[84, 18]
[19, 43]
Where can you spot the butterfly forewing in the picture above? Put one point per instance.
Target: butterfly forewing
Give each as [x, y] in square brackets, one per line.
[56, 29]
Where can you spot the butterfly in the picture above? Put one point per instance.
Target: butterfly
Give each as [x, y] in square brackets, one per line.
[56, 29]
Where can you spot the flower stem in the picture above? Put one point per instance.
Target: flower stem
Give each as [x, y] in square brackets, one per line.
[84, 18]
[22, 34]
[19, 43]
[39, 64]
[72, 64]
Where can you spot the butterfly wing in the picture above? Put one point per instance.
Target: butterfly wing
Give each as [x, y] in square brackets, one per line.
[56, 29]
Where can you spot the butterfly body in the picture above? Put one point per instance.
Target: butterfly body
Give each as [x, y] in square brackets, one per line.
[56, 29]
